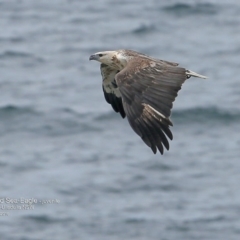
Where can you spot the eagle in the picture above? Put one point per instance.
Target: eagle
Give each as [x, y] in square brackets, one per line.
[143, 89]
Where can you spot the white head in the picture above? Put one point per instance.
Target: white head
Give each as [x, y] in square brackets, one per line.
[103, 57]
[114, 59]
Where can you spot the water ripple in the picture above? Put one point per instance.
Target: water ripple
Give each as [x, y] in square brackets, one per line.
[186, 9]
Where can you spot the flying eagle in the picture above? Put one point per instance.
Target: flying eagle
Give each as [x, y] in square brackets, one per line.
[143, 89]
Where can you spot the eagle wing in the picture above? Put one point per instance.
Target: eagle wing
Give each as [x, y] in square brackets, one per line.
[148, 91]
[110, 89]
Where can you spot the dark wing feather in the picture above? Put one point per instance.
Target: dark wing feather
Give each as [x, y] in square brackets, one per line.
[110, 89]
[148, 94]
[138, 54]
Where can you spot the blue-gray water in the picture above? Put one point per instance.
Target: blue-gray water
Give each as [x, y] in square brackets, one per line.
[61, 140]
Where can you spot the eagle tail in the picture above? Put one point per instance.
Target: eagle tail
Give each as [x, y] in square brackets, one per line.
[193, 74]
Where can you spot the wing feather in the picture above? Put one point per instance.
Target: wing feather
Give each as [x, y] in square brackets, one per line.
[148, 94]
[138, 125]
[156, 134]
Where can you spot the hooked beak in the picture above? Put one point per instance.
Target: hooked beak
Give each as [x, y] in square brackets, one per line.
[93, 57]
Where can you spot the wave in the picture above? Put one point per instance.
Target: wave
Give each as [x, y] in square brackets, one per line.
[210, 114]
[186, 9]
[16, 54]
[45, 219]
[12, 39]
[143, 29]
[62, 121]
[14, 118]
[110, 115]
[12, 110]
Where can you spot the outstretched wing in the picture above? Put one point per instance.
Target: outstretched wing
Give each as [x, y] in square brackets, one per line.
[148, 94]
[111, 90]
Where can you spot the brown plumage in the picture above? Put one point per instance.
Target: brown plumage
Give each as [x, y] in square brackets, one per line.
[143, 89]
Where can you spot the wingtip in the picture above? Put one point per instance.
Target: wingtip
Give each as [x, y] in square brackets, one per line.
[194, 74]
[202, 76]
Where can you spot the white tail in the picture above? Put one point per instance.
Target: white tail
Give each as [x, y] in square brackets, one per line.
[191, 73]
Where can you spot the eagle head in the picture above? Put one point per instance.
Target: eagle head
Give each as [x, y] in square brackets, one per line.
[114, 59]
[103, 57]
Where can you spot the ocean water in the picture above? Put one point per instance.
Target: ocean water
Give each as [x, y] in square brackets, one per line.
[88, 174]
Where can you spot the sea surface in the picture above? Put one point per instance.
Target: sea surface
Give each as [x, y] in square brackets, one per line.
[71, 168]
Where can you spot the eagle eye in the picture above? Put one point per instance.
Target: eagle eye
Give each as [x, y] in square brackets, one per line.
[100, 55]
